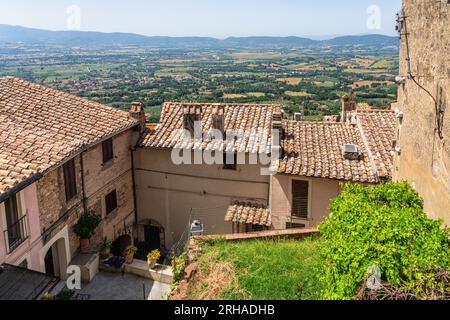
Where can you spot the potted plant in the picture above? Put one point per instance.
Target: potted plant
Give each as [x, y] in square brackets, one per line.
[152, 258]
[85, 227]
[105, 248]
[129, 254]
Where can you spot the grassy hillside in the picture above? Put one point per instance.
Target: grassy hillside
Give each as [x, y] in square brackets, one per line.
[258, 270]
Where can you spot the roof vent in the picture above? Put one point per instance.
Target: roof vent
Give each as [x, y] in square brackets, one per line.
[297, 116]
[351, 152]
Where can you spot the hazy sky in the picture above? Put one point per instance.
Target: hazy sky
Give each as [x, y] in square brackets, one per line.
[218, 18]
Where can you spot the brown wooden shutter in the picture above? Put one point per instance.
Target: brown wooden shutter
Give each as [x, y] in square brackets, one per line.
[70, 182]
[108, 151]
[111, 202]
[300, 193]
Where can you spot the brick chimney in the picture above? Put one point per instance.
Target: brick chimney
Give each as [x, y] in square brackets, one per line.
[348, 105]
[137, 112]
[218, 121]
[277, 124]
[191, 114]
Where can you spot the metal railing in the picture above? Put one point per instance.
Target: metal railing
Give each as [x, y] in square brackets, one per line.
[16, 234]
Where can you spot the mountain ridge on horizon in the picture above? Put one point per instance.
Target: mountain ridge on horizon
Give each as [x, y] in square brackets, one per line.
[10, 34]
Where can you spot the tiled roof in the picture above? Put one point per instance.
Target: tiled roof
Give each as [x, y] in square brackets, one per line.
[379, 128]
[248, 212]
[253, 121]
[315, 150]
[41, 127]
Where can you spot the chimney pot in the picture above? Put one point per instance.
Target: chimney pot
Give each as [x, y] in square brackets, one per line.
[137, 113]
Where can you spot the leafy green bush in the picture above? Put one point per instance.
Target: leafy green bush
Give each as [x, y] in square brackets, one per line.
[382, 226]
[178, 265]
[65, 294]
[86, 225]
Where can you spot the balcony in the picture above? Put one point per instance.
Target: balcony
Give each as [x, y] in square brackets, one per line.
[16, 234]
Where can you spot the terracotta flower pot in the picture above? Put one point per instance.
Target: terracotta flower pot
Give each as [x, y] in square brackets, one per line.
[84, 243]
[129, 258]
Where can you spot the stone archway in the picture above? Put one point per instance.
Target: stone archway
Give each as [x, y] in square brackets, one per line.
[54, 257]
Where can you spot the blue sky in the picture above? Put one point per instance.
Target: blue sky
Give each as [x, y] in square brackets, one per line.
[217, 18]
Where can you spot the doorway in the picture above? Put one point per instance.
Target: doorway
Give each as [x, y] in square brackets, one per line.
[152, 236]
[53, 261]
[49, 263]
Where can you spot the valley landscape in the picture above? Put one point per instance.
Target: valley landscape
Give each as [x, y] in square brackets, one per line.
[302, 75]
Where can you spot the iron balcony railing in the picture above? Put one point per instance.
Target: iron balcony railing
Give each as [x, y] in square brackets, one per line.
[16, 234]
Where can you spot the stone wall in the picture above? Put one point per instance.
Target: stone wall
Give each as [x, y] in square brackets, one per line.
[99, 180]
[424, 156]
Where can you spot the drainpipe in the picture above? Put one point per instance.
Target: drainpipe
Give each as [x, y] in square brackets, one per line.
[83, 186]
[133, 176]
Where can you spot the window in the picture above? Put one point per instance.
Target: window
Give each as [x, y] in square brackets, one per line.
[230, 161]
[108, 151]
[16, 228]
[111, 202]
[70, 182]
[254, 228]
[290, 225]
[300, 196]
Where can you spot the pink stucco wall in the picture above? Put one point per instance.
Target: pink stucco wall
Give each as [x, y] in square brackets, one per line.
[30, 248]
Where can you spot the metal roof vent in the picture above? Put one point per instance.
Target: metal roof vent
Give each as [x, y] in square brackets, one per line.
[351, 152]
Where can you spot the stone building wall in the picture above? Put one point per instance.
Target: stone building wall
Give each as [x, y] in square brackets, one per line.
[167, 192]
[55, 212]
[99, 181]
[423, 157]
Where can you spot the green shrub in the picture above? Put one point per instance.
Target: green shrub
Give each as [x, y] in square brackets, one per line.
[65, 294]
[86, 225]
[382, 226]
[178, 265]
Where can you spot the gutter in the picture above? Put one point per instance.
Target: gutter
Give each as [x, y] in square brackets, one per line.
[83, 184]
[5, 196]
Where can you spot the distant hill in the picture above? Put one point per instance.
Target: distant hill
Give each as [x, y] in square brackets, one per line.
[16, 34]
[268, 41]
[365, 40]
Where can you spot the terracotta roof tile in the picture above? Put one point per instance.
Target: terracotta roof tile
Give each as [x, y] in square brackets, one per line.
[248, 212]
[379, 128]
[254, 121]
[41, 127]
[315, 150]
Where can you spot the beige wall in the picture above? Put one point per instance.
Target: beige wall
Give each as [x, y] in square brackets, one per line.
[321, 192]
[424, 159]
[100, 180]
[166, 192]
